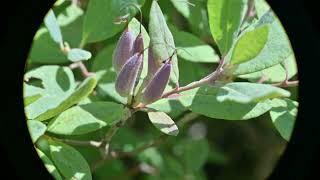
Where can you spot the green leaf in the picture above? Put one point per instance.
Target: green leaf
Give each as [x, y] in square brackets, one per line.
[243, 92]
[86, 118]
[170, 106]
[77, 54]
[283, 115]
[69, 161]
[193, 152]
[31, 93]
[275, 73]
[151, 156]
[162, 40]
[204, 101]
[98, 22]
[196, 16]
[275, 51]
[164, 123]
[36, 129]
[52, 25]
[192, 48]
[59, 93]
[225, 17]
[49, 165]
[250, 45]
[45, 51]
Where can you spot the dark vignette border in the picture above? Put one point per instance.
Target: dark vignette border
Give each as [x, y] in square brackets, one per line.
[22, 20]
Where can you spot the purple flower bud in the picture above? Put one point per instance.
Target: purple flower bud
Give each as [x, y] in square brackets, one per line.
[123, 50]
[156, 86]
[138, 45]
[152, 64]
[128, 75]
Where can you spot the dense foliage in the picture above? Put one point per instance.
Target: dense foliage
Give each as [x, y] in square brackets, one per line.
[122, 89]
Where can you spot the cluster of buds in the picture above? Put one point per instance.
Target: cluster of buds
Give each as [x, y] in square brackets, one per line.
[127, 61]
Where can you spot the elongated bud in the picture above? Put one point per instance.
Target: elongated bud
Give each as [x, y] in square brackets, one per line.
[128, 75]
[156, 86]
[152, 64]
[123, 50]
[138, 45]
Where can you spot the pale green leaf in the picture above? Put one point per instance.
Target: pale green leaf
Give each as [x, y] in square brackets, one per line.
[100, 15]
[36, 129]
[283, 115]
[45, 50]
[244, 92]
[164, 123]
[192, 48]
[49, 165]
[249, 45]
[196, 16]
[69, 161]
[31, 93]
[86, 118]
[170, 106]
[275, 51]
[204, 101]
[225, 17]
[53, 27]
[60, 91]
[162, 40]
[275, 73]
[76, 54]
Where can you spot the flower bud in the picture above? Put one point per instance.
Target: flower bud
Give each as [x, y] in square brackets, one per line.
[123, 50]
[156, 86]
[138, 45]
[128, 75]
[152, 64]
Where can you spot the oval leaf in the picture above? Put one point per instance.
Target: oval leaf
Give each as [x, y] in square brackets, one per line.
[44, 50]
[86, 118]
[162, 40]
[77, 54]
[283, 115]
[275, 51]
[98, 22]
[164, 123]
[69, 161]
[36, 129]
[59, 93]
[249, 45]
[243, 92]
[49, 165]
[53, 27]
[204, 101]
[193, 48]
[275, 73]
[225, 17]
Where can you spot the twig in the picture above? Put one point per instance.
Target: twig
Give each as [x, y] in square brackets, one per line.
[211, 78]
[155, 142]
[287, 84]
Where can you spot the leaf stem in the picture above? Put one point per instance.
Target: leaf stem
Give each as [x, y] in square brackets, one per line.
[287, 84]
[211, 78]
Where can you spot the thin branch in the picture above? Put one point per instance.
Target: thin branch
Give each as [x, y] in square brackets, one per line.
[211, 78]
[287, 84]
[155, 142]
